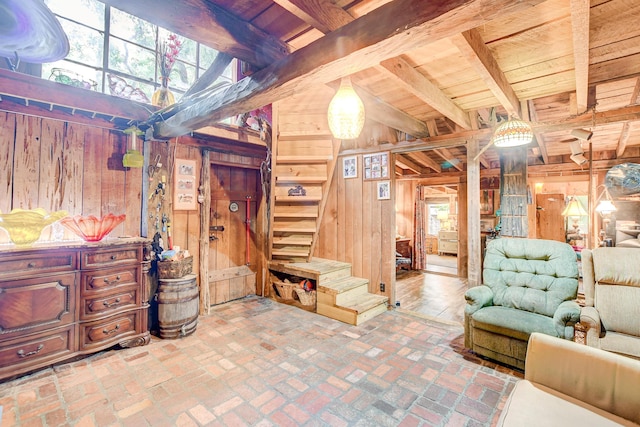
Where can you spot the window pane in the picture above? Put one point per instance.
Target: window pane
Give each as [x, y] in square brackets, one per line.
[73, 74]
[133, 29]
[207, 55]
[129, 88]
[131, 59]
[89, 12]
[86, 45]
[182, 76]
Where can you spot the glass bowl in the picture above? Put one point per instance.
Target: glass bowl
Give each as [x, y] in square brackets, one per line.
[90, 228]
[25, 225]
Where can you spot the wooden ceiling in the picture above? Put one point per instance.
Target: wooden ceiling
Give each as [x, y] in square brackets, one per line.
[439, 72]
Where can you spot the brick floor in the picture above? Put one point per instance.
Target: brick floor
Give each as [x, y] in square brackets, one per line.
[257, 362]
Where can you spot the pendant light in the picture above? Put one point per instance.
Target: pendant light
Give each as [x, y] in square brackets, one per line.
[346, 112]
[512, 133]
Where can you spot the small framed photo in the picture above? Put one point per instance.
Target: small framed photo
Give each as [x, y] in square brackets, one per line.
[350, 167]
[184, 185]
[384, 190]
[376, 166]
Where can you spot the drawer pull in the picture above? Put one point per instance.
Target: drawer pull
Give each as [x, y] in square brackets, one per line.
[115, 302]
[113, 257]
[22, 354]
[109, 282]
[31, 265]
[112, 331]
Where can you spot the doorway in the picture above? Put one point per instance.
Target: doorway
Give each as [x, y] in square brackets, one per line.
[439, 224]
[235, 193]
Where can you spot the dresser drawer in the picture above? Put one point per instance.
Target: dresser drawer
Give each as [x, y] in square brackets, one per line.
[448, 246]
[35, 351]
[109, 257]
[106, 333]
[109, 304]
[448, 235]
[36, 262]
[38, 303]
[106, 280]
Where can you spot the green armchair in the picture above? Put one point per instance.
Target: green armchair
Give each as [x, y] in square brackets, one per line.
[530, 285]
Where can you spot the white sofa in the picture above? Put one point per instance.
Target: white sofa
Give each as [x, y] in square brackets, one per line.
[570, 384]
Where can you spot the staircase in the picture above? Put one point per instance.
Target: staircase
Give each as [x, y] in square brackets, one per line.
[301, 172]
[301, 175]
[339, 295]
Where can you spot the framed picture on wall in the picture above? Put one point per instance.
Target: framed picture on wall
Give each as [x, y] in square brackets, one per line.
[486, 202]
[184, 185]
[384, 190]
[350, 167]
[376, 166]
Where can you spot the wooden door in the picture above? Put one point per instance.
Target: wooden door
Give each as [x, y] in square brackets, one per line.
[232, 251]
[549, 219]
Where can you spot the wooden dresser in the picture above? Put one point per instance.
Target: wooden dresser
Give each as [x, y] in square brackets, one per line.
[447, 242]
[62, 301]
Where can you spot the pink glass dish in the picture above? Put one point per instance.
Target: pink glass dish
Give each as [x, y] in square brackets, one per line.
[91, 228]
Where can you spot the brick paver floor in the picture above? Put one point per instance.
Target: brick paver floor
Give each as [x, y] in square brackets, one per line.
[257, 362]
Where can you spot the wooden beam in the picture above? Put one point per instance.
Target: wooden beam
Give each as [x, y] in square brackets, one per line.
[446, 155]
[533, 115]
[424, 158]
[474, 49]
[398, 26]
[580, 29]
[388, 115]
[623, 140]
[403, 160]
[210, 25]
[324, 15]
[417, 84]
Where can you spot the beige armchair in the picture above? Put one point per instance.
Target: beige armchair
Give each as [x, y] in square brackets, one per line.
[611, 315]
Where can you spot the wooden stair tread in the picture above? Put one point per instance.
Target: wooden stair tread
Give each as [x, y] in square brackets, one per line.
[292, 240]
[365, 302]
[301, 179]
[342, 285]
[289, 228]
[294, 214]
[290, 252]
[298, 199]
[304, 159]
[312, 269]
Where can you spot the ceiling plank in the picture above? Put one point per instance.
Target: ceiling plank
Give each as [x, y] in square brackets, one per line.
[210, 25]
[446, 155]
[580, 28]
[416, 83]
[473, 48]
[385, 32]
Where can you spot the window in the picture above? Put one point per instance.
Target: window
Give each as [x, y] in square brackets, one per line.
[115, 53]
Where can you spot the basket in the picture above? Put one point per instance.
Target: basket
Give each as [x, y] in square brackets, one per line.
[175, 269]
[306, 298]
[285, 290]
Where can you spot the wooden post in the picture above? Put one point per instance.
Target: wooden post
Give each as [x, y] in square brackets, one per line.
[473, 214]
[205, 208]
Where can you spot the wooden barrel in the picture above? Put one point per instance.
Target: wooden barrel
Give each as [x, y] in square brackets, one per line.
[178, 306]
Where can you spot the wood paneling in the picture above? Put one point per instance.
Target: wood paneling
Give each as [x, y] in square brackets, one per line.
[59, 165]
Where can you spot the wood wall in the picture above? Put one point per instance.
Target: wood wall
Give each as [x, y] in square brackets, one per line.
[356, 226]
[60, 165]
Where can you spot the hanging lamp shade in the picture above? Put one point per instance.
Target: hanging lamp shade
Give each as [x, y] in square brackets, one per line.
[605, 205]
[512, 133]
[346, 112]
[574, 208]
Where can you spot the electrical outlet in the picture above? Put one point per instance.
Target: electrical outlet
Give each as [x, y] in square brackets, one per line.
[381, 287]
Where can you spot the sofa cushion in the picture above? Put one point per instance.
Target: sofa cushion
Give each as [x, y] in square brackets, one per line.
[532, 404]
[619, 308]
[511, 322]
[532, 275]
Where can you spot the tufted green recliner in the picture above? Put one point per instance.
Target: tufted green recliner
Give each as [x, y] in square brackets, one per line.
[529, 285]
